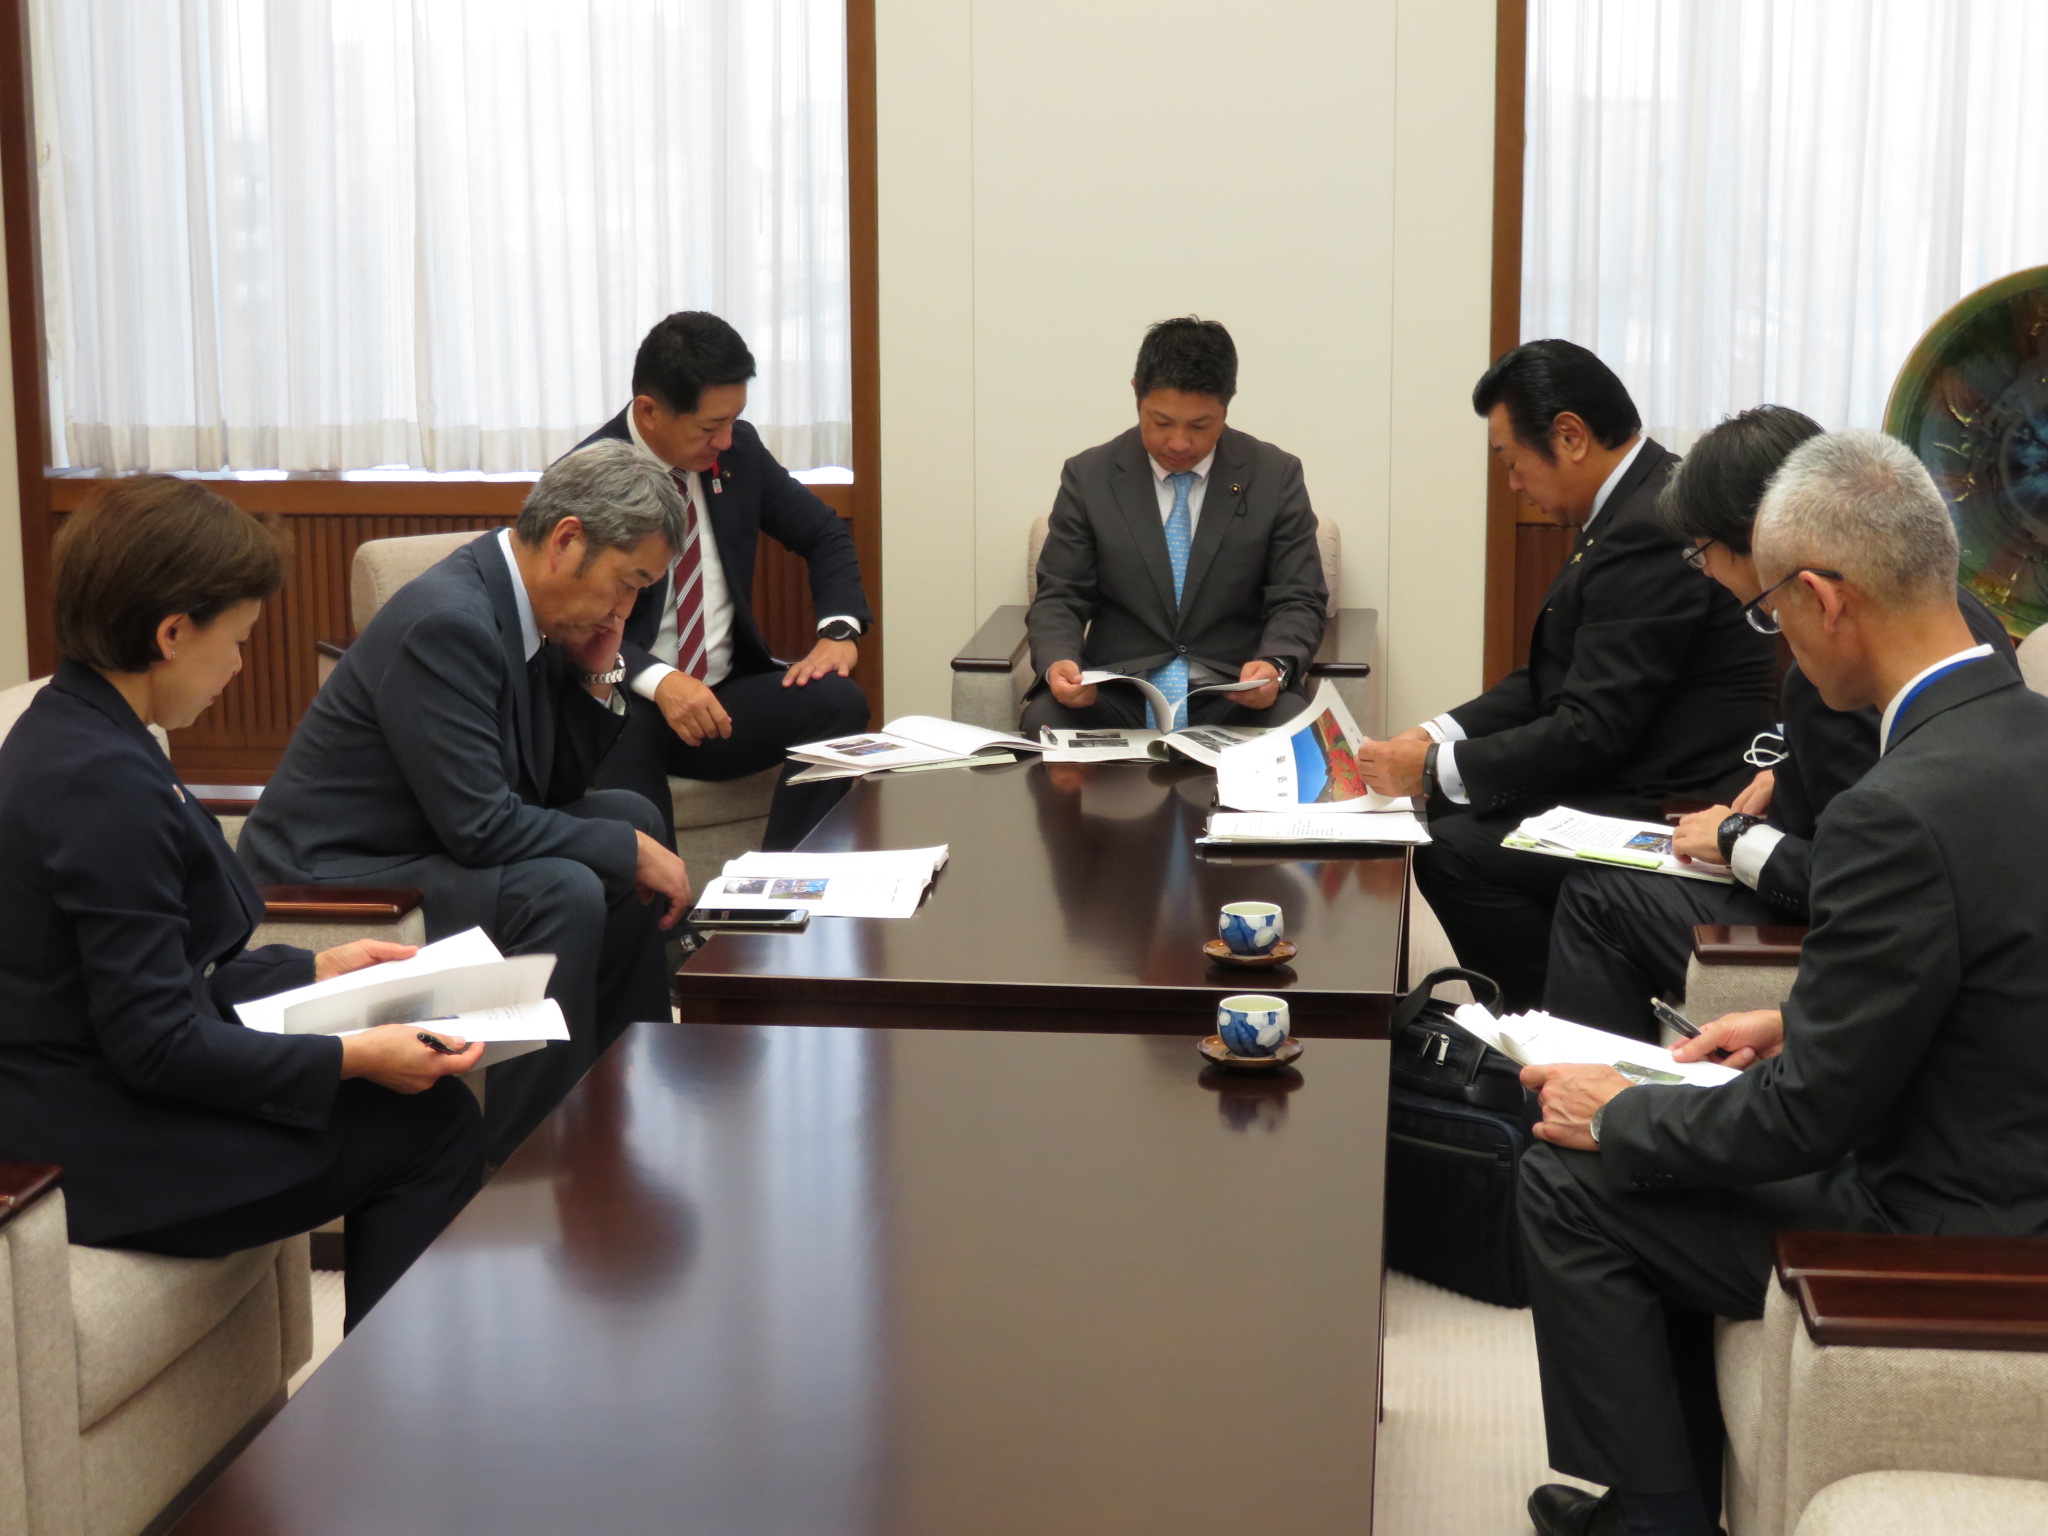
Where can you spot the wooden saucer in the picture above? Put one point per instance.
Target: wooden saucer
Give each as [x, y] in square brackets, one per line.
[1218, 1052]
[1222, 954]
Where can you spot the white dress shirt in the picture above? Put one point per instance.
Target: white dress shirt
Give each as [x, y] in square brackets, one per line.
[1445, 730]
[1891, 710]
[1162, 482]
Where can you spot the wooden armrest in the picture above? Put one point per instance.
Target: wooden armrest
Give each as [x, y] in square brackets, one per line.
[22, 1185]
[337, 903]
[1907, 1256]
[331, 648]
[1676, 811]
[1347, 645]
[1966, 1312]
[228, 799]
[1746, 944]
[997, 645]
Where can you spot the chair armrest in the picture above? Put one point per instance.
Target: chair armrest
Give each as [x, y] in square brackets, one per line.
[337, 903]
[997, 645]
[1914, 1292]
[22, 1185]
[1909, 1256]
[1746, 944]
[228, 799]
[1348, 640]
[1676, 811]
[333, 650]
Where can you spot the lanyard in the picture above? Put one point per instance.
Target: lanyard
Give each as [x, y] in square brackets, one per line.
[1914, 692]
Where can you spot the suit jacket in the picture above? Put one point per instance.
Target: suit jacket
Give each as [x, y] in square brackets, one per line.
[756, 496]
[1254, 584]
[434, 736]
[122, 920]
[1643, 682]
[1827, 750]
[1914, 1054]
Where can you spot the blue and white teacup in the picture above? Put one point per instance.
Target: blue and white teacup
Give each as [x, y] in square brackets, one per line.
[1252, 1024]
[1250, 927]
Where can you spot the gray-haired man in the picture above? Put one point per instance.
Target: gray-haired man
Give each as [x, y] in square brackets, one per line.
[451, 751]
[1903, 1085]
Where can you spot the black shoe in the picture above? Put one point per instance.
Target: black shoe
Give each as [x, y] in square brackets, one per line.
[1558, 1510]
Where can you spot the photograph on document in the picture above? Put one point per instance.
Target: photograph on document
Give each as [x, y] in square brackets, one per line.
[1309, 760]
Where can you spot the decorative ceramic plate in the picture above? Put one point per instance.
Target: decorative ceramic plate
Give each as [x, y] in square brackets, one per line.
[1972, 402]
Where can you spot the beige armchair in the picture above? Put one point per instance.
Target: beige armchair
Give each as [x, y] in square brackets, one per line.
[126, 1378]
[993, 672]
[714, 822]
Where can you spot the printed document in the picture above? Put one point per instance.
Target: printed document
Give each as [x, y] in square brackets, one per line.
[1310, 762]
[1400, 825]
[1543, 1040]
[878, 883]
[912, 740]
[1156, 700]
[1568, 834]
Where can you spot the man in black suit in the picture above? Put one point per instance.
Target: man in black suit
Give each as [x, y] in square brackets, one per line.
[452, 747]
[1183, 551]
[707, 700]
[1621, 937]
[1900, 1089]
[1643, 681]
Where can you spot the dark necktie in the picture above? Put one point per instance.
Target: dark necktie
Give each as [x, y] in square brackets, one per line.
[686, 582]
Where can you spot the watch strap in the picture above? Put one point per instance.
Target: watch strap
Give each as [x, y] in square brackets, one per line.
[614, 677]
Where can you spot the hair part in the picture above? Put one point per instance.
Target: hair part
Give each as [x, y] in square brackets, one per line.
[617, 493]
[144, 549]
[1540, 380]
[1189, 354]
[1715, 492]
[1860, 503]
[687, 353]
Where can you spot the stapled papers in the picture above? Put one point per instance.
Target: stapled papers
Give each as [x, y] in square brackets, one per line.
[878, 883]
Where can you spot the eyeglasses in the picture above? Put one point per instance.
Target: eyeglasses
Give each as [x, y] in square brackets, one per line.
[1695, 555]
[1761, 619]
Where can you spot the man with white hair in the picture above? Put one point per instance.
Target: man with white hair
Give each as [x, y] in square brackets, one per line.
[1902, 1086]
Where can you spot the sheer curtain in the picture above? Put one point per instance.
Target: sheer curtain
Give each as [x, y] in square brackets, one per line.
[1737, 201]
[332, 234]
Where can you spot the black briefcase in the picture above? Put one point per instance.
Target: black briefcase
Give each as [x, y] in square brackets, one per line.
[1458, 1122]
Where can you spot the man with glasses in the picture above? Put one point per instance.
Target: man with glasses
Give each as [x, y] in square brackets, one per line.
[1643, 683]
[1619, 937]
[1902, 1086]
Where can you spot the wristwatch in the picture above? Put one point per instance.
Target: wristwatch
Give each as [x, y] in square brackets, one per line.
[1593, 1126]
[616, 676]
[1730, 830]
[839, 629]
[1429, 782]
[1279, 666]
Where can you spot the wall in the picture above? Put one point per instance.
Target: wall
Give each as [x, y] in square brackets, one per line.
[1314, 173]
[13, 619]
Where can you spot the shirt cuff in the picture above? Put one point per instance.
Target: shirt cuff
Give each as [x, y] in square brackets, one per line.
[1444, 728]
[1448, 779]
[1752, 851]
[650, 679]
[842, 618]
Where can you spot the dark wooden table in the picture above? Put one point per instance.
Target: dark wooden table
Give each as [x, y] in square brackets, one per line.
[1075, 899]
[793, 1281]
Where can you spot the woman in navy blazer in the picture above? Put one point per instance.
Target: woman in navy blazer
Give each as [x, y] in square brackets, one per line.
[123, 916]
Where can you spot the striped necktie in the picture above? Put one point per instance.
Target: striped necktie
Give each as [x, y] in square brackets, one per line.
[1172, 679]
[686, 583]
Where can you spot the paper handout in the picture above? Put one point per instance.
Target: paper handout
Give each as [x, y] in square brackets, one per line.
[1155, 701]
[914, 740]
[1277, 828]
[1205, 744]
[461, 985]
[1543, 1040]
[1309, 762]
[1568, 834]
[877, 883]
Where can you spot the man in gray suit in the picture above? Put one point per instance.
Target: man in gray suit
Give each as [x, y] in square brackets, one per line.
[451, 751]
[1183, 551]
[1904, 1085]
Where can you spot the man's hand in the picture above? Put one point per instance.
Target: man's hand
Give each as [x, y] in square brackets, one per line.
[691, 709]
[1570, 1095]
[1394, 767]
[392, 1057]
[826, 656]
[599, 652]
[343, 958]
[1756, 800]
[1747, 1038]
[658, 875]
[1064, 679]
[1258, 698]
[1698, 836]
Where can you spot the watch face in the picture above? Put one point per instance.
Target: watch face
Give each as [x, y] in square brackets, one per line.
[839, 632]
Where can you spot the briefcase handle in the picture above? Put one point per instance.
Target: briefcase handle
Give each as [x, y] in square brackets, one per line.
[1484, 988]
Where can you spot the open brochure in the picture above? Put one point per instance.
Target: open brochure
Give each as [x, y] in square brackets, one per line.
[878, 883]
[1204, 744]
[1155, 701]
[1568, 834]
[1542, 1040]
[911, 741]
[1310, 762]
[1269, 829]
[459, 985]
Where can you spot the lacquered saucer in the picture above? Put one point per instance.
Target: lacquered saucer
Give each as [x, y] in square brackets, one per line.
[1218, 1052]
[1222, 954]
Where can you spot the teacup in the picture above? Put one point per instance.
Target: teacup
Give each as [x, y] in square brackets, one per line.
[1250, 927]
[1252, 1024]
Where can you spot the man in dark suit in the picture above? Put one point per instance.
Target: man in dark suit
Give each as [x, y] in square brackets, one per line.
[452, 747]
[1900, 1089]
[1643, 681]
[1621, 937]
[707, 700]
[1183, 551]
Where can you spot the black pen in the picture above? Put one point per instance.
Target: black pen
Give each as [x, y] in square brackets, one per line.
[436, 1043]
[1669, 1015]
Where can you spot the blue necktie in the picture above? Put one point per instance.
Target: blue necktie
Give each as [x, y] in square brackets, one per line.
[1172, 679]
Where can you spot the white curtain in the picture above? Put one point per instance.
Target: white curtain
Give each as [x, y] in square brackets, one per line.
[1740, 201]
[332, 234]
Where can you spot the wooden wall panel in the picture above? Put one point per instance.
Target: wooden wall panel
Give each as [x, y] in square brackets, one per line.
[1540, 549]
